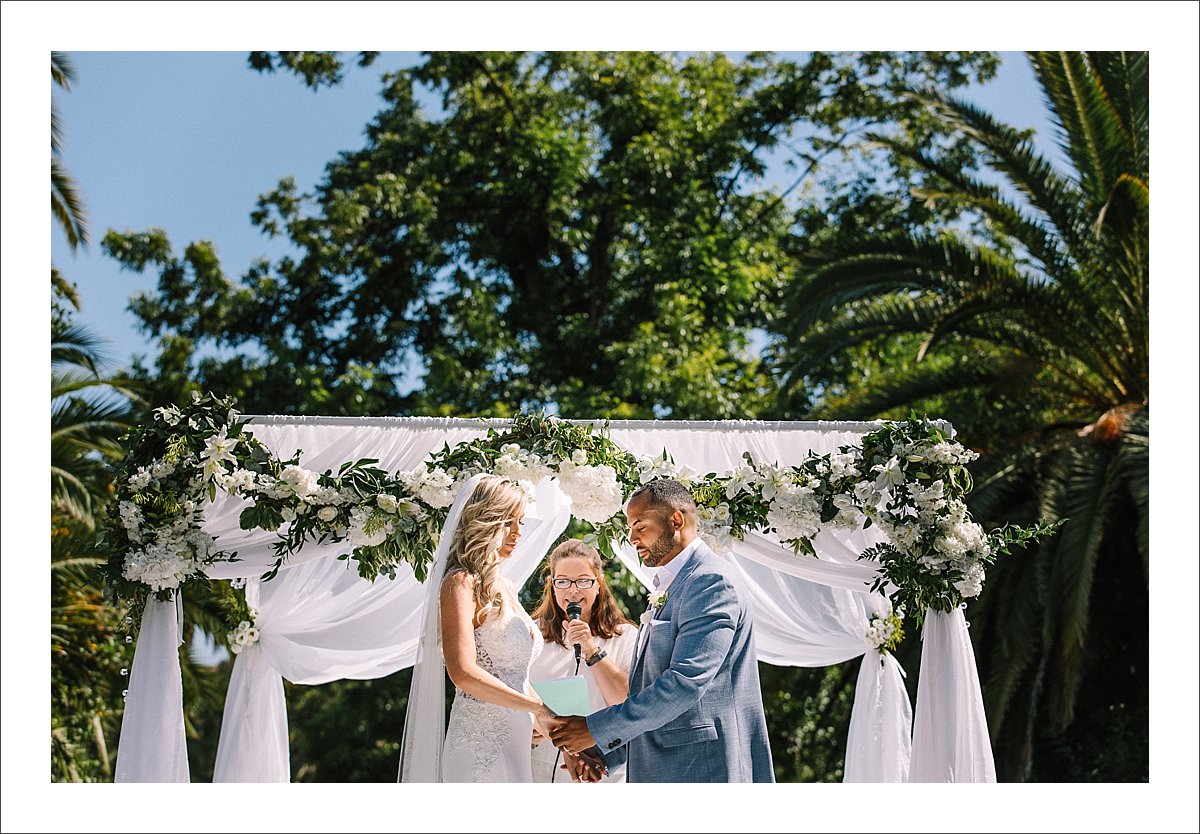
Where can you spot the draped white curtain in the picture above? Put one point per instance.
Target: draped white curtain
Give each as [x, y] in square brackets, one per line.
[319, 621]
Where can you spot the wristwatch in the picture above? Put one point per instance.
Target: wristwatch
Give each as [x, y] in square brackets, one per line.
[597, 657]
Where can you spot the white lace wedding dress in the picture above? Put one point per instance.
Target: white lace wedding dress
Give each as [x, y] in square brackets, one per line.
[485, 742]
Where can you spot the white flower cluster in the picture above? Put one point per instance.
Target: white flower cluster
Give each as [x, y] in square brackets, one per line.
[161, 566]
[662, 466]
[518, 465]
[436, 488]
[795, 512]
[714, 526]
[217, 449]
[882, 630]
[922, 522]
[594, 491]
[246, 634]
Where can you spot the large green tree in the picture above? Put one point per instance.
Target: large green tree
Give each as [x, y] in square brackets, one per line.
[585, 231]
[1025, 322]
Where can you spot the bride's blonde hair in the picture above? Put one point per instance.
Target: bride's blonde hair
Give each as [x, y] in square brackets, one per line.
[475, 544]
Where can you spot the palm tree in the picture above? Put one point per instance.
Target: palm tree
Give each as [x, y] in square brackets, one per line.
[88, 414]
[1045, 314]
[65, 203]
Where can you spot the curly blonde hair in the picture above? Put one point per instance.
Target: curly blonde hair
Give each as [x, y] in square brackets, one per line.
[475, 544]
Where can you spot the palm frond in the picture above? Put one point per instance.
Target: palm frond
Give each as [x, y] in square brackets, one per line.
[67, 206]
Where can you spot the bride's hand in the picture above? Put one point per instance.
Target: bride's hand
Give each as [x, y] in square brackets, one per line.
[543, 720]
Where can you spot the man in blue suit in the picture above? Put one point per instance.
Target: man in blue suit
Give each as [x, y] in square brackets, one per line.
[694, 711]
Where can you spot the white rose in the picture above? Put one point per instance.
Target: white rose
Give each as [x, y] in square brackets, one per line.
[327, 513]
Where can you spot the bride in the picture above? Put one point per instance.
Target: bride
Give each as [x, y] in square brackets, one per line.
[487, 643]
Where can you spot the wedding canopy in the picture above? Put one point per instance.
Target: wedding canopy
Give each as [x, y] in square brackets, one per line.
[319, 621]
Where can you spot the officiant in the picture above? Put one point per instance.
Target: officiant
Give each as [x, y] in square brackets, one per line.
[578, 610]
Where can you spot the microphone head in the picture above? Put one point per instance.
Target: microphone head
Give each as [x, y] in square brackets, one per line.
[574, 611]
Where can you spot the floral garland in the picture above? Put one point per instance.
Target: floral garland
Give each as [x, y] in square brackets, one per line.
[908, 478]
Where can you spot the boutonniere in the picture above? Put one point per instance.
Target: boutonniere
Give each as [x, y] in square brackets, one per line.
[657, 600]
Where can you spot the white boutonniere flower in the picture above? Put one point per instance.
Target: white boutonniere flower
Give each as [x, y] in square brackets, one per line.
[658, 599]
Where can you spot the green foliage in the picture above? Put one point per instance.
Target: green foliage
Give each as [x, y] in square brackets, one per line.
[349, 730]
[579, 231]
[317, 69]
[1011, 300]
[87, 653]
[808, 720]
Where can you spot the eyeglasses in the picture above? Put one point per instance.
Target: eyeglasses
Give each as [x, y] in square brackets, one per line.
[581, 584]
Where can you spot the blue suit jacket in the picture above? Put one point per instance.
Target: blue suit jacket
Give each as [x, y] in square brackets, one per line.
[694, 712]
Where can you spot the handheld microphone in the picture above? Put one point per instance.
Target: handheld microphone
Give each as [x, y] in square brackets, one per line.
[575, 612]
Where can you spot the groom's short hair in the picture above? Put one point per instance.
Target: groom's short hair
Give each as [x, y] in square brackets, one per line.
[666, 496]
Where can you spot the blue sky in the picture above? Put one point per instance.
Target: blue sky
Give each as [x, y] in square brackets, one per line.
[187, 141]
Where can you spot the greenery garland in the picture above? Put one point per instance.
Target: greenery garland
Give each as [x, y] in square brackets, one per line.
[907, 477]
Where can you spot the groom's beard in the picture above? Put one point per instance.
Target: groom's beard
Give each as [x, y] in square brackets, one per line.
[658, 550]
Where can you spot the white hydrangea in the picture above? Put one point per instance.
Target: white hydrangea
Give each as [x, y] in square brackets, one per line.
[237, 481]
[971, 585]
[131, 516]
[161, 468]
[519, 465]
[437, 488]
[594, 491]
[795, 513]
[139, 480]
[272, 488]
[160, 566]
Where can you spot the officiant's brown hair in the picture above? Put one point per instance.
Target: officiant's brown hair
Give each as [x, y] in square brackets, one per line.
[607, 616]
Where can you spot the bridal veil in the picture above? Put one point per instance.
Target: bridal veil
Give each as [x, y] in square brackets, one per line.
[425, 723]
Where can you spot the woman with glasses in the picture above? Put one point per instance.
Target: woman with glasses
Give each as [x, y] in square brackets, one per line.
[606, 637]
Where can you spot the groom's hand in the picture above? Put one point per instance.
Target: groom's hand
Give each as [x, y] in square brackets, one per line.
[571, 733]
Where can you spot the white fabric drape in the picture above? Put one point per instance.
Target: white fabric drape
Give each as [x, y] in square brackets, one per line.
[152, 747]
[950, 735]
[319, 621]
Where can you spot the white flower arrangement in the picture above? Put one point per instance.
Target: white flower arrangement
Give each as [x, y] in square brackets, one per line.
[246, 634]
[908, 478]
[885, 630]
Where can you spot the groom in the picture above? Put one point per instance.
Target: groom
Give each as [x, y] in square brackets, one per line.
[694, 711]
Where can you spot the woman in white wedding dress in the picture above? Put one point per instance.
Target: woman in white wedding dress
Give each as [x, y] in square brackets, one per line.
[488, 643]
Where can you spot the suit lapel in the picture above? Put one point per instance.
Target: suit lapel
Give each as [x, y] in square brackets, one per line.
[643, 642]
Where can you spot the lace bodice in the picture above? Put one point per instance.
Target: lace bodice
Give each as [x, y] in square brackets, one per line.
[506, 646]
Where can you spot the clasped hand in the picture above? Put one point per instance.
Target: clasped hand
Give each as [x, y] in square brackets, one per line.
[570, 734]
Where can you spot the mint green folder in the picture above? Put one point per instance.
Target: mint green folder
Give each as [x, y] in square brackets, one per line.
[566, 696]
